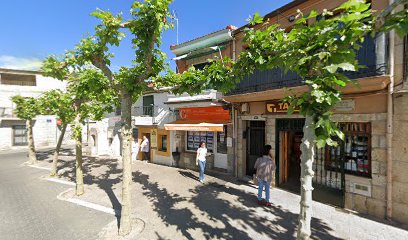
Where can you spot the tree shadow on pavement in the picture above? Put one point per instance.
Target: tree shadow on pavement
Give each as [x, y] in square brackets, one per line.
[223, 219]
[101, 172]
[47, 155]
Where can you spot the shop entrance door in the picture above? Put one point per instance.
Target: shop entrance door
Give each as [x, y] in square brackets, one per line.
[288, 156]
[255, 144]
[328, 185]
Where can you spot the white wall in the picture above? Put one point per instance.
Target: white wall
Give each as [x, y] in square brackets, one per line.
[45, 129]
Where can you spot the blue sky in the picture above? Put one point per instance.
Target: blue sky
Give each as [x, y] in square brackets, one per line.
[31, 30]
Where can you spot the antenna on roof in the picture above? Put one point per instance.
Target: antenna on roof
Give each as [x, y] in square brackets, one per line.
[174, 16]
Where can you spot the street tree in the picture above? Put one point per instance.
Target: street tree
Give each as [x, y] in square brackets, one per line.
[27, 108]
[90, 97]
[148, 20]
[321, 53]
[60, 104]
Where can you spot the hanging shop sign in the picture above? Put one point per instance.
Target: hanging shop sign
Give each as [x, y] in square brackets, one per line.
[278, 107]
[153, 138]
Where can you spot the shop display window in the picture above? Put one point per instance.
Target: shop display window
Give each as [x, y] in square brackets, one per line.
[194, 139]
[354, 152]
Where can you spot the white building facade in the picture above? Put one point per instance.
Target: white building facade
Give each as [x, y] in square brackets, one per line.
[12, 129]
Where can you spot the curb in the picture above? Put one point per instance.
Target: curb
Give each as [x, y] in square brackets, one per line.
[86, 204]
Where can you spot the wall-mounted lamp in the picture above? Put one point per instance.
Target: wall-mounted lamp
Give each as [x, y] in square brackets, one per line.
[291, 18]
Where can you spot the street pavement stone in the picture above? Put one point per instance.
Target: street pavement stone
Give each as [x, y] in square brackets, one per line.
[173, 204]
[30, 210]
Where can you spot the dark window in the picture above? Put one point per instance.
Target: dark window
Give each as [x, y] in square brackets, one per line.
[195, 138]
[163, 145]
[19, 135]
[201, 66]
[18, 79]
[222, 141]
[148, 105]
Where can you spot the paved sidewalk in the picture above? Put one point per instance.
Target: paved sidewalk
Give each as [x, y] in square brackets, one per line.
[30, 210]
[174, 205]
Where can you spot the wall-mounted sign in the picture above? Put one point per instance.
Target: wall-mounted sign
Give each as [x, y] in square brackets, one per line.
[153, 138]
[278, 108]
[229, 142]
[253, 118]
[345, 106]
[205, 114]
[113, 120]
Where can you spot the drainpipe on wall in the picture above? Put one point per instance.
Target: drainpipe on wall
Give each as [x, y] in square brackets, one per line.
[235, 117]
[390, 122]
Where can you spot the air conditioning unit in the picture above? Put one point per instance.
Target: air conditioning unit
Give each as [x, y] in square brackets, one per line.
[245, 108]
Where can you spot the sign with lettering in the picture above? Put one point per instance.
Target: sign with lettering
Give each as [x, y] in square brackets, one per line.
[345, 106]
[278, 108]
[153, 138]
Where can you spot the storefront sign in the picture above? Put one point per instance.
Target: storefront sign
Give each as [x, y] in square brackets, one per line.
[113, 120]
[205, 114]
[153, 138]
[253, 118]
[278, 108]
[345, 106]
[229, 142]
[143, 121]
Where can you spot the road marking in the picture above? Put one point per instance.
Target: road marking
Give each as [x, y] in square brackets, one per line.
[34, 166]
[87, 204]
[60, 181]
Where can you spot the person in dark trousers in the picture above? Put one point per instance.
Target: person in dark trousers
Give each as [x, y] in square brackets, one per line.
[145, 148]
[264, 170]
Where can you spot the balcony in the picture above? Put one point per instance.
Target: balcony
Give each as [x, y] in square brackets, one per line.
[152, 115]
[7, 113]
[373, 55]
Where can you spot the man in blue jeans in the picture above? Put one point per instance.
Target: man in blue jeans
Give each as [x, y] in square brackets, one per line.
[264, 171]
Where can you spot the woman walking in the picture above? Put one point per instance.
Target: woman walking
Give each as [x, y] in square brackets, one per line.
[264, 170]
[201, 160]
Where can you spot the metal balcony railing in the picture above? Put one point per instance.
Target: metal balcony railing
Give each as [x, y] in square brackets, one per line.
[7, 112]
[372, 55]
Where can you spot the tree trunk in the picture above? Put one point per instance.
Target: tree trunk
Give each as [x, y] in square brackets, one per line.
[307, 157]
[57, 149]
[126, 132]
[32, 158]
[79, 190]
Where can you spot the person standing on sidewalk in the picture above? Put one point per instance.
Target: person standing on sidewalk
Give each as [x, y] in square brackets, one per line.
[264, 171]
[145, 148]
[201, 160]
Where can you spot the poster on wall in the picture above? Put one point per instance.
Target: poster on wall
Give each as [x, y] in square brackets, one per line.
[190, 138]
[196, 145]
[203, 139]
[210, 146]
[190, 144]
[196, 138]
[210, 134]
[203, 134]
[153, 138]
[210, 139]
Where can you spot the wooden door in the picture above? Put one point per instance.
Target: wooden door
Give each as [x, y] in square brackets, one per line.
[284, 156]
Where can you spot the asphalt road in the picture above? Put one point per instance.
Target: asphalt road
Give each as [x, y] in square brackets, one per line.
[29, 208]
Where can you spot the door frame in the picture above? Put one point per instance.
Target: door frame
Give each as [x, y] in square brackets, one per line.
[284, 124]
[248, 140]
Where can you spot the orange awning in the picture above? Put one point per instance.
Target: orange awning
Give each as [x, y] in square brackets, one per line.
[196, 126]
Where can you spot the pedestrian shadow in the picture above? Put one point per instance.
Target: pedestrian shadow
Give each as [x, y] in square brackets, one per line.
[223, 219]
[188, 174]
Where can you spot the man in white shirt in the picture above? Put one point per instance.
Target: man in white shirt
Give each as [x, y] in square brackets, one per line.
[145, 148]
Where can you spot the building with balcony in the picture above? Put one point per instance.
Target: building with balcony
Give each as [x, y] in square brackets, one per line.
[203, 117]
[368, 171]
[12, 129]
[360, 173]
